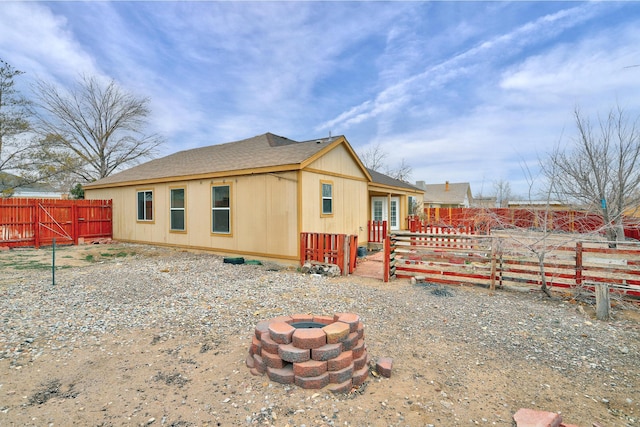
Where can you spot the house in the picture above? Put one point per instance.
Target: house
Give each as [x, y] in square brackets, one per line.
[447, 195]
[251, 197]
[554, 205]
[486, 202]
[15, 186]
[393, 200]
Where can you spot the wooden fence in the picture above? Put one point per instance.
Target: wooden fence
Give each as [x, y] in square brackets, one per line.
[483, 220]
[496, 260]
[377, 231]
[325, 248]
[36, 222]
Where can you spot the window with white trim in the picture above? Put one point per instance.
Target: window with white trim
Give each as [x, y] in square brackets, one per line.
[177, 209]
[327, 197]
[145, 205]
[221, 209]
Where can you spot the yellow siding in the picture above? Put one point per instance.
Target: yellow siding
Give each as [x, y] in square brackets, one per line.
[268, 210]
[263, 215]
[349, 206]
[350, 195]
[338, 161]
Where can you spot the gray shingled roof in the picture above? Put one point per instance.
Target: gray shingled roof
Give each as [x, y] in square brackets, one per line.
[438, 193]
[262, 151]
[380, 178]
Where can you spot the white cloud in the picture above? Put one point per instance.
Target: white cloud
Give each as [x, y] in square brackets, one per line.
[35, 40]
[591, 71]
[462, 64]
[465, 92]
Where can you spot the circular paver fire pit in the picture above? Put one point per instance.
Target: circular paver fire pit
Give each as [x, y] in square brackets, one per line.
[311, 351]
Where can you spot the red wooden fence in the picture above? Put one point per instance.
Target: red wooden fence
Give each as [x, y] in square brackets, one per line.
[482, 220]
[377, 231]
[338, 249]
[476, 259]
[36, 222]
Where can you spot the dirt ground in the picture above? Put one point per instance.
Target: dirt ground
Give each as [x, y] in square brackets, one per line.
[148, 377]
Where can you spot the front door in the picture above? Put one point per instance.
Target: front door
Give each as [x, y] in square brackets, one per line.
[381, 210]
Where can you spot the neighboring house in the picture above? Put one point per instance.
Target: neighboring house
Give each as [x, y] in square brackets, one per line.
[485, 202]
[11, 186]
[447, 195]
[251, 197]
[539, 204]
[393, 200]
[632, 212]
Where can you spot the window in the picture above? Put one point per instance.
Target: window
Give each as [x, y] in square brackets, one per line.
[394, 213]
[377, 210]
[177, 209]
[412, 208]
[145, 205]
[221, 209]
[327, 198]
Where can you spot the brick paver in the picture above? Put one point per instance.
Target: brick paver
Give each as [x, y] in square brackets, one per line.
[336, 332]
[309, 338]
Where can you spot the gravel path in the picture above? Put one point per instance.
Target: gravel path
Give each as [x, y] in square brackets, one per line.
[449, 345]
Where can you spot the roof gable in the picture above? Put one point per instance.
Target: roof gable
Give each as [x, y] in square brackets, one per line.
[261, 153]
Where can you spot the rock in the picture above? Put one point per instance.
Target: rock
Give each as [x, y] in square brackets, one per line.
[384, 365]
[333, 271]
[532, 418]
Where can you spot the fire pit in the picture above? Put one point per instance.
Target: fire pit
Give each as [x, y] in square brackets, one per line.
[312, 352]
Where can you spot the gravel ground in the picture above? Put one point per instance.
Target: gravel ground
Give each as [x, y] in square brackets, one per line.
[462, 356]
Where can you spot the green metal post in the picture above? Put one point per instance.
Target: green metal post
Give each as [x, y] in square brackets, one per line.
[53, 263]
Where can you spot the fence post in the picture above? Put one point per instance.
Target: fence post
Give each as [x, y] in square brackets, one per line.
[579, 264]
[493, 266]
[75, 227]
[353, 252]
[387, 260]
[603, 304]
[53, 262]
[303, 247]
[36, 225]
[346, 255]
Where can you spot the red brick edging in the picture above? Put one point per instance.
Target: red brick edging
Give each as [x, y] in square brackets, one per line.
[334, 355]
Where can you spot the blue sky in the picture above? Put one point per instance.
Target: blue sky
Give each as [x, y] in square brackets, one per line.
[462, 91]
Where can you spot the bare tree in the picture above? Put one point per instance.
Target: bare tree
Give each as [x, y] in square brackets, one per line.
[503, 194]
[402, 172]
[601, 171]
[374, 157]
[14, 128]
[93, 129]
[535, 236]
[536, 229]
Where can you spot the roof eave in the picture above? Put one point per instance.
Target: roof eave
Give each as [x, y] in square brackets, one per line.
[383, 187]
[211, 175]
